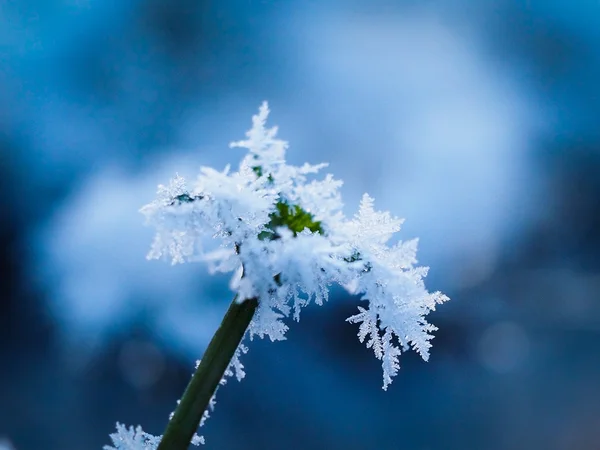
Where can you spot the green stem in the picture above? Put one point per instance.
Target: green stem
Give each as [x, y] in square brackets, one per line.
[218, 354]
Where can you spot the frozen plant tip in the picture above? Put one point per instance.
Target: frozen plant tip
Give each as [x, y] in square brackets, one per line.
[286, 240]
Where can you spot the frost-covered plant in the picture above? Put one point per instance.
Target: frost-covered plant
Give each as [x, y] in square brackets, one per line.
[286, 240]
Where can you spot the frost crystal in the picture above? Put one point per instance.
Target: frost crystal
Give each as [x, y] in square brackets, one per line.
[286, 240]
[132, 439]
[137, 439]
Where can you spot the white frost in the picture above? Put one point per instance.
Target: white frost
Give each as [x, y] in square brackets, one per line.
[290, 271]
[132, 439]
[285, 267]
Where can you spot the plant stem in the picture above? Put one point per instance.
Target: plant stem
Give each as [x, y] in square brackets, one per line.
[218, 354]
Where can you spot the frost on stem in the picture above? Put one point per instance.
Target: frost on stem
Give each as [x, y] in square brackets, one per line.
[137, 439]
[293, 242]
[285, 240]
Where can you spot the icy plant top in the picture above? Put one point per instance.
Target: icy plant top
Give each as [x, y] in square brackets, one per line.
[286, 240]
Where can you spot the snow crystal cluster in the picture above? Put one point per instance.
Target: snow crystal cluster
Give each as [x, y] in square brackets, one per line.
[286, 240]
[132, 439]
[137, 439]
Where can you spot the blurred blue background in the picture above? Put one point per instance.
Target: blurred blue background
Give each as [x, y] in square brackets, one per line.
[476, 121]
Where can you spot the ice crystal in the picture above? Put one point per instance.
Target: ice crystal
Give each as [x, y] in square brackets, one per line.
[132, 439]
[137, 439]
[286, 240]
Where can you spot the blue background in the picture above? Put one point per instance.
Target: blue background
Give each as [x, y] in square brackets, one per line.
[476, 121]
